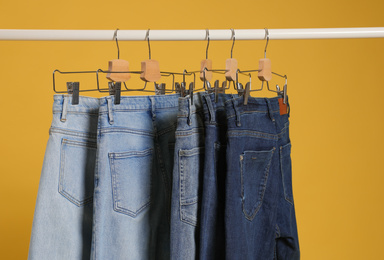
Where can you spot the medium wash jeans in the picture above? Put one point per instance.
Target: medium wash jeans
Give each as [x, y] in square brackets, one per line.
[212, 236]
[260, 220]
[187, 174]
[62, 225]
[132, 195]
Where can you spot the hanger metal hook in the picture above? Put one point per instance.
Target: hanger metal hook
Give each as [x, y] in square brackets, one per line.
[149, 45]
[117, 43]
[233, 40]
[207, 36]
[266, 45]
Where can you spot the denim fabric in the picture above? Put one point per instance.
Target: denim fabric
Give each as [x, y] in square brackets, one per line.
[212, 242]
[62, 225]
[133, 178]
[187, 174]
[260, 218]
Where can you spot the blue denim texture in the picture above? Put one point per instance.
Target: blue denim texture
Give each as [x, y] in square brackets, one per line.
[62, 225]
[260, 220]
[162, 177]
[187, 175]
[133, 178]
[212, 236]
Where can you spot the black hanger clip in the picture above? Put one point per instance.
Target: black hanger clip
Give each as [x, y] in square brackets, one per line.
[115, 90]
[73, 89]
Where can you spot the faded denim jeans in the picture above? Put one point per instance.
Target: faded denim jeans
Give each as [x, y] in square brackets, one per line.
[62, 225]
[136, 141]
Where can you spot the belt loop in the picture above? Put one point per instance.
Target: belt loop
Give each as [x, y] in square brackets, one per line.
[110, 110]
[270, 109]
[153, 107]
[236, 108]
[212, 118]
[64, 110]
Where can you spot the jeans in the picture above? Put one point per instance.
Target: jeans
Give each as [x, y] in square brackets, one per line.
[212, 236]
[260, 218]
[62, 225]
[187, 174]
[132, 195]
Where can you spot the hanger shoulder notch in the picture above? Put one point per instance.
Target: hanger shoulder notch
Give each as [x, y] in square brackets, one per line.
[265, 71]
[150, 70]
[118, 66]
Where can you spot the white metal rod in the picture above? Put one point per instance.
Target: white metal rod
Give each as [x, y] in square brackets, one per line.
[189, 35]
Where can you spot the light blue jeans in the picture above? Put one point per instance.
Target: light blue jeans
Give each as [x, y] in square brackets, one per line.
[187, 177]
[62, 225]
[132, 195]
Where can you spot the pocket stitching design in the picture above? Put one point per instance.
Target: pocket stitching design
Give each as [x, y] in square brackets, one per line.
[116, 199]
[286, 195]
[256, 209]
[69, 197]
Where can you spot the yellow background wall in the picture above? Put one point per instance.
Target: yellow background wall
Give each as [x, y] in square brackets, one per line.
[335, 87]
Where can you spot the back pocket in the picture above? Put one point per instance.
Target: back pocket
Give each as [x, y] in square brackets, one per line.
[190, 168]
[254, 176]
[131, 181]
[77, 169]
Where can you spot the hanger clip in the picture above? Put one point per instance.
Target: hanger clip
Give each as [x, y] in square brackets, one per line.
[247, 92]
[160, 89]
[182, 89]
[190, 91]
[240, 89]
[73, 89]
[285, 97]
[115, 90]
[177, 87]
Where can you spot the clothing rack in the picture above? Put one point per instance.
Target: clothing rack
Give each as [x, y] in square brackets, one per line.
[190, 35]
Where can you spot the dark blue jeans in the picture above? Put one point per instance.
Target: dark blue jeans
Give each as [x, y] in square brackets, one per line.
[212, 242]
[260, 220]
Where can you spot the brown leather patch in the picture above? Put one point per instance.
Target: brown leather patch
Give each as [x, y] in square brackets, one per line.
[283, 107]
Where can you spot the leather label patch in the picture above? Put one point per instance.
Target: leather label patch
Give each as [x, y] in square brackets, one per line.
[283, 107]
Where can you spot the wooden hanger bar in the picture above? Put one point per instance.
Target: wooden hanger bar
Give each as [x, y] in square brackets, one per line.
[190, 35]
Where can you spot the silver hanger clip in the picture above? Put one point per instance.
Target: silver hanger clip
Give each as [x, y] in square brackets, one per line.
[115, 90]
[73, 89]
[160, 89]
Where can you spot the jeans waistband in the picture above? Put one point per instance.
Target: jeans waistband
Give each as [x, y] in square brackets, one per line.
[86, 104]
[140, 102]
[235, 107]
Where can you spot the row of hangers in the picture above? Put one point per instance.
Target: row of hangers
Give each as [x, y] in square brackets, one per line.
[118, 73]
